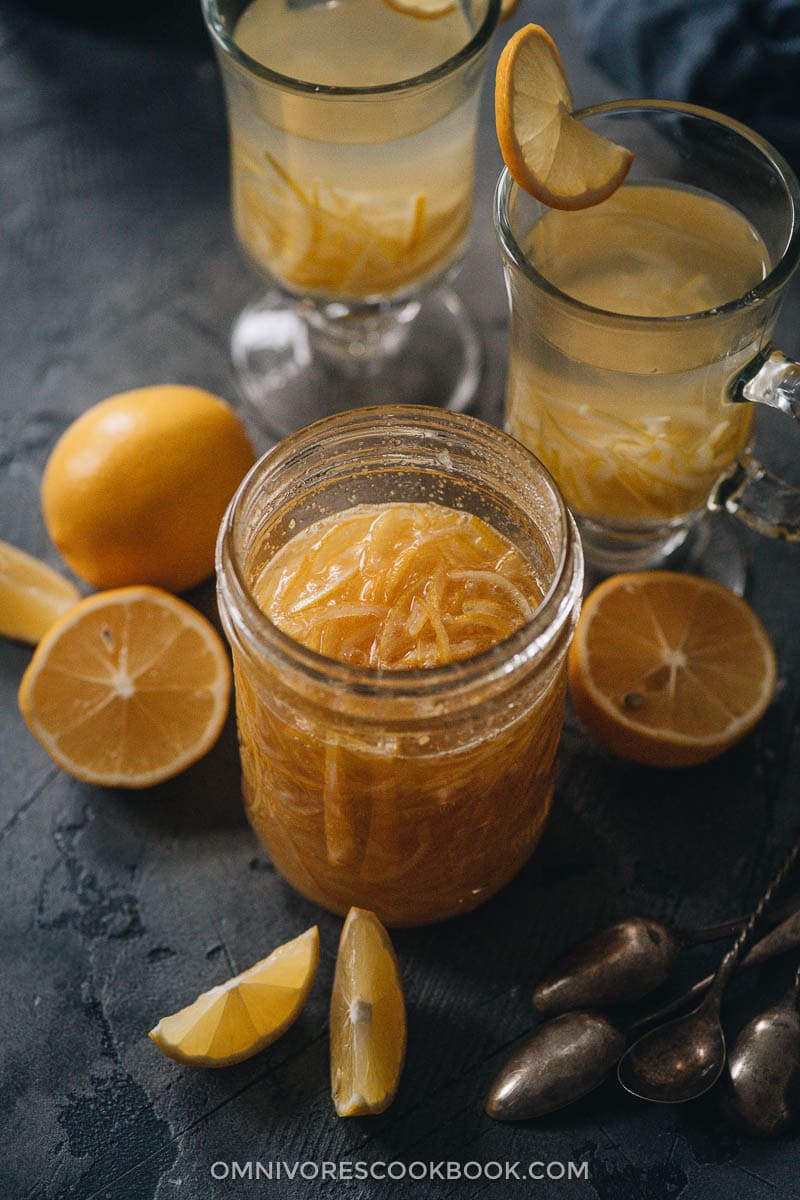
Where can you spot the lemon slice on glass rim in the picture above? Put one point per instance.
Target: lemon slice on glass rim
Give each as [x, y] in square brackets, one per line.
[550, 154]
[423, 9]
[430, 9]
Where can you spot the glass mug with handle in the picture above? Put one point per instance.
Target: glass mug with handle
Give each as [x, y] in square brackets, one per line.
[640, 330]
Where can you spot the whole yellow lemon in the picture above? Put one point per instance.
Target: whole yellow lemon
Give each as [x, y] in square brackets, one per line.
[135, 489]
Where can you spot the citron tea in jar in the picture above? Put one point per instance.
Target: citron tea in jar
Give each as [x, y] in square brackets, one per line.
[399, 586]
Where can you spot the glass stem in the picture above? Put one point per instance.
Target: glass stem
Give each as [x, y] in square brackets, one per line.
[355, 334]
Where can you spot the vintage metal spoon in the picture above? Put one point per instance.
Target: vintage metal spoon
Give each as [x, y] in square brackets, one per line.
[763, 1076]
[620, 965]
[681, 1060]
[568, 1057]
[564, 1059]
[625, 962]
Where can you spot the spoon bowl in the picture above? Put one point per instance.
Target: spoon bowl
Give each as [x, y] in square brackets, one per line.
[563, 1060]
[762, 1093]
[617, 966]
[678, 1061]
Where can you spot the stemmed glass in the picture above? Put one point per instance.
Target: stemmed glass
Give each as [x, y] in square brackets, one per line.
[354, 205]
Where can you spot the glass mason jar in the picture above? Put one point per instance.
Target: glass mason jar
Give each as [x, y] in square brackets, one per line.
[418, 793]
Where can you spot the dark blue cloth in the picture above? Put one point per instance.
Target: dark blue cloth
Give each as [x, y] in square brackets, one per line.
[739, 56]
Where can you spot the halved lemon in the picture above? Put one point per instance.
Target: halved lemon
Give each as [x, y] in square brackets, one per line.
[32, 595]
[368, 1019]
[556, 158]
[669, 670]
[239, 1018]
[128, 688]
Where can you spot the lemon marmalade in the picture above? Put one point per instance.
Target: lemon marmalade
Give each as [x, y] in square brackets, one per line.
[393, 587]
[399, 587]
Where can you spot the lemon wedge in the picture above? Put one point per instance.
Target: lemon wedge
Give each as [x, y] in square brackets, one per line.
[32, 595]
[252, 1010]
[367, 1019]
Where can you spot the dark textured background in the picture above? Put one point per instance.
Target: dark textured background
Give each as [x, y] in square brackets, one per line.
[117, 269]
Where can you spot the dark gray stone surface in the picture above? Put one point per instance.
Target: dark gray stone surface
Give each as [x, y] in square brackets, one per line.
[117, 268]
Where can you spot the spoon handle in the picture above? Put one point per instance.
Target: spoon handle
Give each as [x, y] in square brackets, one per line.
[723, 929]
[742, 943]
[785, 936]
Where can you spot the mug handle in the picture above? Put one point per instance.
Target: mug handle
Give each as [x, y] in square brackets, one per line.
[758, 498]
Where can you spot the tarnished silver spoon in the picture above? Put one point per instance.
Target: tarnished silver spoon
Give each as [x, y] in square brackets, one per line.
[681, 1060]
[564, 1059]
[762, 1092]
[568, 1057]
[620, 965]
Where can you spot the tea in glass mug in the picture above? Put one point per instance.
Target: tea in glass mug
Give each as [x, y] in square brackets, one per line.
[639, 325]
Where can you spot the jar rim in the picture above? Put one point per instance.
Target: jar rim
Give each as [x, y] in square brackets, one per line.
[253, 627]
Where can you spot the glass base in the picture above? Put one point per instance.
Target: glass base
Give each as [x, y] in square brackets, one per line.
[296, 362]
[712, 547]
